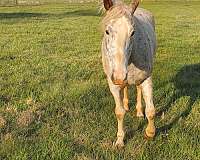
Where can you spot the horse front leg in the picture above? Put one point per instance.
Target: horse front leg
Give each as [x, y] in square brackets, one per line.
[125, 99]
[149, 110]
[117, 93]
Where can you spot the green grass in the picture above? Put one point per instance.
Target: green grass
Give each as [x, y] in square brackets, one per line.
[54, 98]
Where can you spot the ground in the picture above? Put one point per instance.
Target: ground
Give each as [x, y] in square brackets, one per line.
[54, 98]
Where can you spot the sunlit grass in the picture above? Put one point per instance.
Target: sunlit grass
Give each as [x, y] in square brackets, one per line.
[54, 98]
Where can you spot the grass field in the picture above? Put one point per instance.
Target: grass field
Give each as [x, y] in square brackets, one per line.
[54, 98]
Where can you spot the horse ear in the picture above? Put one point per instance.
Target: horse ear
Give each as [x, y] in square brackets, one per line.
[107, 4]
[134, 5]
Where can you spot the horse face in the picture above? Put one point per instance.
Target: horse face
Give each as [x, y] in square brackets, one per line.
[117, 37]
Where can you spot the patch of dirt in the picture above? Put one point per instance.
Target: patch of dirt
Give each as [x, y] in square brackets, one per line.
[2, 122]
[106, 144]
[8, 137]
[34, 112]
[25, 118]
[10, 109]
[79, 140]
[82, 157]
[30, 101]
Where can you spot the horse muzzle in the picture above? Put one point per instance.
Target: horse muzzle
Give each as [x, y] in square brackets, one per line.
[120, 82]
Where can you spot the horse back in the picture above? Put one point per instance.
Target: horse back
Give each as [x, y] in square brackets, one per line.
[145, 25]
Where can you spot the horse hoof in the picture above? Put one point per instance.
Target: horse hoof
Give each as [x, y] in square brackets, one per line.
[126, 109]
[140, 115]
[149, 136]
[119, 144]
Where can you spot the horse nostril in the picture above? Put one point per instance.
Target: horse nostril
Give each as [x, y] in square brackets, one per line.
[112, 77]
[117, 80]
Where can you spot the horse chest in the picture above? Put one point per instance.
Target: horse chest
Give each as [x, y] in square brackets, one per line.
[136, 75]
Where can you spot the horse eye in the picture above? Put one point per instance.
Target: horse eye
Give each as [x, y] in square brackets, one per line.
[132, 33]
[107, 32]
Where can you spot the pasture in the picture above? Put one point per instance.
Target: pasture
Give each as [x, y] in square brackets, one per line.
[54, 98]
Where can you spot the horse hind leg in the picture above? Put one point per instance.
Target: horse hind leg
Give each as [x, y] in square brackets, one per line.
[139, 108]
[149, 110]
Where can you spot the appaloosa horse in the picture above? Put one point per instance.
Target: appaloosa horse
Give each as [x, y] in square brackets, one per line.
[128, 48]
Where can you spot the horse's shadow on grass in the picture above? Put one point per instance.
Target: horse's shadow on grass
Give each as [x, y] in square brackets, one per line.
[186, 83]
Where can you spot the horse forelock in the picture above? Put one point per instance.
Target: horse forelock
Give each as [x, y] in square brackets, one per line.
[117, 11]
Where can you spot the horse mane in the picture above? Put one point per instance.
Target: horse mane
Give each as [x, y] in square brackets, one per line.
[117, 11]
